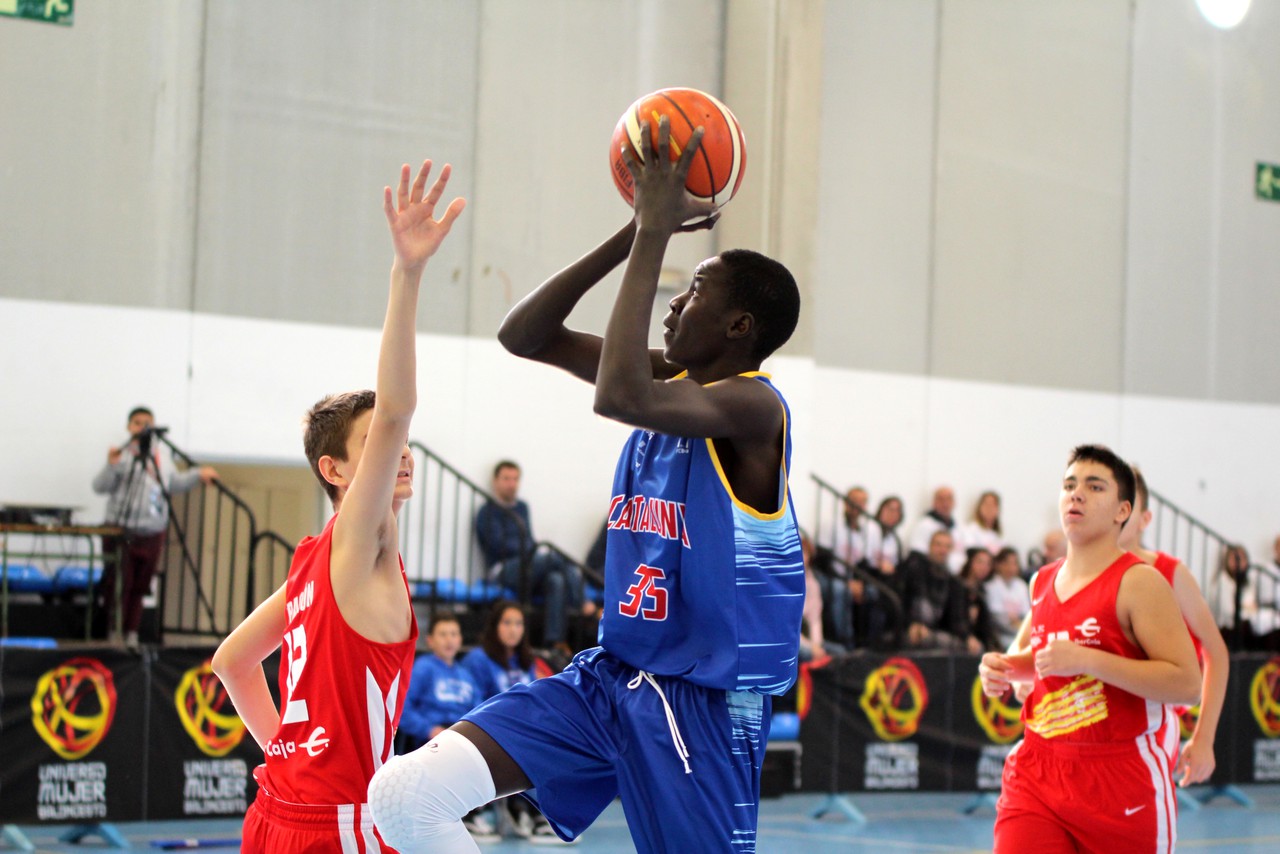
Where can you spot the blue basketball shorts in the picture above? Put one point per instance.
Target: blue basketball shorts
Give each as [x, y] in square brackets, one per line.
[685, 759]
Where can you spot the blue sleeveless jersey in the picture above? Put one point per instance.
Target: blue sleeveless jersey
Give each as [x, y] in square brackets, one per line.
[697, 584]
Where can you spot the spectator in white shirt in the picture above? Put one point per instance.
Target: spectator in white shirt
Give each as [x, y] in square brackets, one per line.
[1260, 614]
[1008, 597]
[939, 518]
[983, 531]
[851, 538]
[884, 548]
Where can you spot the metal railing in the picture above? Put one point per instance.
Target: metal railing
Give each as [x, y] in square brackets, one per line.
[270, 570]
[437, 532]
[1176, 532]
[207, 585]
[218, 566]
[1172, 530]
[442, 557]
[1254, 607]
[828, 512]
[829, 507]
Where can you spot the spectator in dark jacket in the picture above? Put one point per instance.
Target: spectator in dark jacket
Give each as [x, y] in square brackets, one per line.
[506, 538]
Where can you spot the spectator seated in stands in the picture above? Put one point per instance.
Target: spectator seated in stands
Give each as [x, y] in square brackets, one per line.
[441, 690]
[504, 657]
[933, 600]
[1267, 586]
[506, 538]
[1008, 597]
[842, 591]
[974, 576]
[939, 518]
[983, 530]
[503, 660]
[884, 547]
[1053, 549]
[814, 648]
[595, 562]
[1259, 626]
[850, 542]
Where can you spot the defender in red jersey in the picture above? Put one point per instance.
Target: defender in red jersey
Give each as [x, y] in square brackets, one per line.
[1105, 649]
[343, 615]
[1195, 761]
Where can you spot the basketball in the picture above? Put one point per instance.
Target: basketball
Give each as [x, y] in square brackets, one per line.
[717, 169]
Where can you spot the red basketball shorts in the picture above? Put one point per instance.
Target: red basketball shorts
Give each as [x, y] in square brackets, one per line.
[1108, 797]
[273, 826]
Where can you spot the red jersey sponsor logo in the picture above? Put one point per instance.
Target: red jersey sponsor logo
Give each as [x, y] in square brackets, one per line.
[288, 748]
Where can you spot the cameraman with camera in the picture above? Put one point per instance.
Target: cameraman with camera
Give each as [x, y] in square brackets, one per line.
[139, 486]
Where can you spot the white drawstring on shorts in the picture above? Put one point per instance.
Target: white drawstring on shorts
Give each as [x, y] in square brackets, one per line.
[676, 738]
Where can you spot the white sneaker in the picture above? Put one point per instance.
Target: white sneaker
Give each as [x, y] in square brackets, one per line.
[543, 834]
[480, 828]
[522, 825]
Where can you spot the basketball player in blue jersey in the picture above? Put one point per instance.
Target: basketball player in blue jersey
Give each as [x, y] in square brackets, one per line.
[704, 580]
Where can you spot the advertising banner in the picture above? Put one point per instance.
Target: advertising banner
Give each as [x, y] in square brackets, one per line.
[884, 720]
[1253, 703]
[202, 758]
[72, 731]
[985, 730]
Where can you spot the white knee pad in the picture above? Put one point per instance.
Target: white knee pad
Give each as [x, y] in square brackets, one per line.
[418, 800]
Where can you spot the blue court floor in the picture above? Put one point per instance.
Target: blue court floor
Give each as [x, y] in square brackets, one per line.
[895, 823]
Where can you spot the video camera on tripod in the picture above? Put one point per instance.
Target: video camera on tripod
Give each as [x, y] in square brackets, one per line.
[143, 438]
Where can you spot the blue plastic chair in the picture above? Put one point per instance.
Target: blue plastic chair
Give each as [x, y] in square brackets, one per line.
[75, 579]
[785, 726]
[30, 642]
[28, 578]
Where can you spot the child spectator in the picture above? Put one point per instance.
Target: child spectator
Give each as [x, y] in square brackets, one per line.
[504, 658]
[441, 690]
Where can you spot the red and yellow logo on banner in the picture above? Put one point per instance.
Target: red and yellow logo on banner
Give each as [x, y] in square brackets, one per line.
[73, 706]
[894, 698]
[1188, 717]
[1264, 697]
[1000, 721]
[206, 711]
[804, 692]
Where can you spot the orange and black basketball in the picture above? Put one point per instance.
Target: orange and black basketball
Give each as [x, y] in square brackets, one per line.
[717, 169]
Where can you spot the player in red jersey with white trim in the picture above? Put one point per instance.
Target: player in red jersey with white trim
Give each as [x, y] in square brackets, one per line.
[1106, 648]
[344, 613]
[1195, 762]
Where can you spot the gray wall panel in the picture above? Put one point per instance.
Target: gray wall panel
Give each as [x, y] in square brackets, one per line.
[1248, 280]
[1202, 299]
[97, 126]
[1171, 253]
[1032, 119]
[871, 305]
[989, 173]
[309, 109]
[555, 77]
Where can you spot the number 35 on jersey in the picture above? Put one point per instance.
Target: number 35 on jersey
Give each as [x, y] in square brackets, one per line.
[647, 597]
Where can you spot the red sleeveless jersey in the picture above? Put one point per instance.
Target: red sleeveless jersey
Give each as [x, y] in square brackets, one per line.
[341, 693]
[1166, 565]
[1081, 708]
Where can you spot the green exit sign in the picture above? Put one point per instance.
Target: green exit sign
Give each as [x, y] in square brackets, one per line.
[1267, 182]
[52, 11]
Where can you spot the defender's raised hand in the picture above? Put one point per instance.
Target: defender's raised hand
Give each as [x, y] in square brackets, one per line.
[415, 233]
